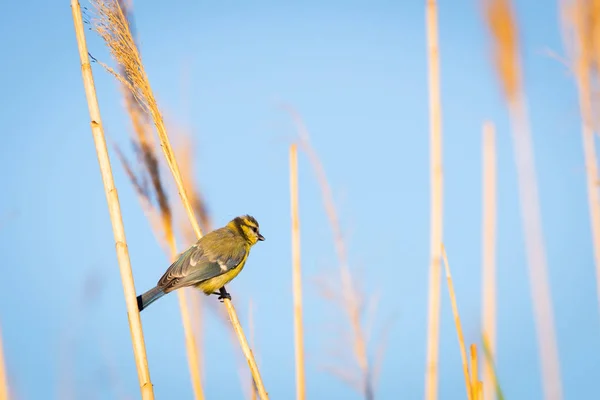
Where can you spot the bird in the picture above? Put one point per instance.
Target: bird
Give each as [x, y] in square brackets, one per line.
[209, 264]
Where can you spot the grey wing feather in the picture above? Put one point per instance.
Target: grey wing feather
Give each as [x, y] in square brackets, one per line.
[196, 265]
[180, 268]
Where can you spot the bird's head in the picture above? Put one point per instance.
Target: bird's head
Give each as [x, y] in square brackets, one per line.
[247, 227]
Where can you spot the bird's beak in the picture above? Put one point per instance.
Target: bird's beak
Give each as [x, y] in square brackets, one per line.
[261, 237]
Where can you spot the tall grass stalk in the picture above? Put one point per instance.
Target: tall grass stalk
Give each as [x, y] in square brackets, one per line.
[351, 299]
[459, 332]
[581, 22]
[488, 288]
[253, 394]
[135, 324]
[190, 340]
[502, 24]
[112, 26]
[4, 391]
[297, 275]
[436, 202]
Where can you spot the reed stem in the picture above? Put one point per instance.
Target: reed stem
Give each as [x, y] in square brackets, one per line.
[489, 251]
[503, 26]
[296, 275]
[536, 256]
[459, 332]
[135, 324]
[436, 202]
[190, 340]
[4, 391]
[474, 373]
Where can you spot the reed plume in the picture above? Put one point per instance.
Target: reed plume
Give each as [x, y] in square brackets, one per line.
[143, 143]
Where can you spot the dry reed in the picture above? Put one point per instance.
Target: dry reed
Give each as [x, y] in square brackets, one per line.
[488, 287]
[4, 390]
[351, 300]
[112, 26]
[503, 27]
[581, 24]
[459, 332]
[474, 369]
[135, 324]
[253, 393]
[190, 340]
[297, 275]
[436, 202]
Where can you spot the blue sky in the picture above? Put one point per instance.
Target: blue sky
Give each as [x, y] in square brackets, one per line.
[357, 72]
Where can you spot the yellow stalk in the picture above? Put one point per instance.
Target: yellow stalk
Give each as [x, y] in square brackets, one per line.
[196, 318]
[296, 275]
[190, 340]
[474, 373]
[489, 251]
[3, 381]
[135, 324]
[504, 30]
[436, 202]
[251, 328]
[459, 332]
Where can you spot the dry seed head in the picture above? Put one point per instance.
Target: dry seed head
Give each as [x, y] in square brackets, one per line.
[502, 24]
[112, 26]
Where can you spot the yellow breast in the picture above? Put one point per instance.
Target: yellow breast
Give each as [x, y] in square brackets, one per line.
[212, 285]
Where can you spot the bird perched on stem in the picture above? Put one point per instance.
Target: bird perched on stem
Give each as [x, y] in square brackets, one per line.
[211, 263]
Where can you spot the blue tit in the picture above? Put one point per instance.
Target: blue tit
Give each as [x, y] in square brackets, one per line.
[211, 263]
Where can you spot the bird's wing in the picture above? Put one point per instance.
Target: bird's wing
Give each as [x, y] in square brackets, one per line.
[197, 264]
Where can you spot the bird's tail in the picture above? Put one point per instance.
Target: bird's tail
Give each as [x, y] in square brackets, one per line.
[144, 300]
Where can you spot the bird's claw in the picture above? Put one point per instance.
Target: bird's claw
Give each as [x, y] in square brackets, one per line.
[223, 296]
